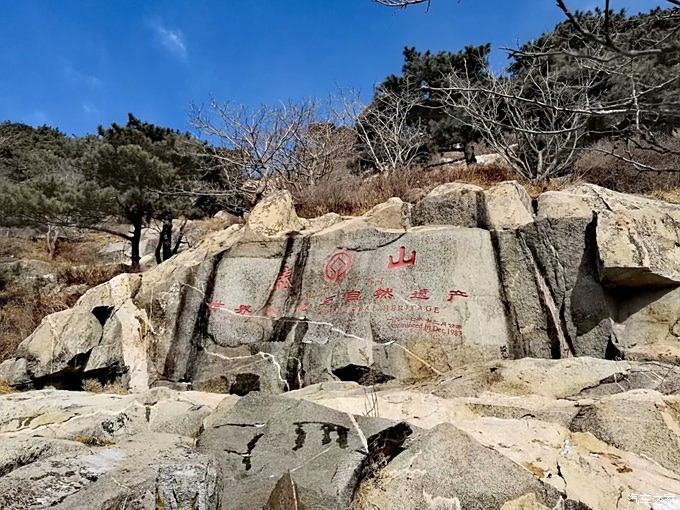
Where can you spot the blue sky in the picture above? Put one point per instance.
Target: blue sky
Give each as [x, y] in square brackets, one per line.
[75, 64]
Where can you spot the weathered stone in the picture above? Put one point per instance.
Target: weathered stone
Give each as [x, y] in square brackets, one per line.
[639, 248]
[116, 476]
[192, 485]
[446, 468]
[454, 203]
[556, 305]
[526, 502]
[227, 217]
[638, 422]
[275, 215]
[104, 418]
[61, 342]
[507, 205]
[322, 222]
[262, 438]
[346, 299]
[393, 214]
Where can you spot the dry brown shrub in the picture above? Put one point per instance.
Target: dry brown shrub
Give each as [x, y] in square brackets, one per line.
[95, 386]
[23, 304]
[345, 193]
[92, 440]
[610, 172]
[5, 388]
[90, 275]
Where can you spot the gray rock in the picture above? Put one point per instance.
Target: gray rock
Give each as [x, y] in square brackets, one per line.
[230, 219]
[393, 214]
[262, 438]
[639, 422]
[454, 203]
[507, 205]
[639, 248]
[189, 485]
[446, 468]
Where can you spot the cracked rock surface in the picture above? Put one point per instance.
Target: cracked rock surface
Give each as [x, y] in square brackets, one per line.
[474, 350]
[579, 433]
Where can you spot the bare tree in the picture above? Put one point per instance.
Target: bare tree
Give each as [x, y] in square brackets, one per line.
[538, 123]
[322, 147]
[290, 146]
[632, 118]
[402, 3]
[388, 137]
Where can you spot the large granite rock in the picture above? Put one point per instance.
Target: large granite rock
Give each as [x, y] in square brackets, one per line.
[446, 468]
[281, 303]
[264, 439]
[451, 204]
[573, 434]
[275, 215]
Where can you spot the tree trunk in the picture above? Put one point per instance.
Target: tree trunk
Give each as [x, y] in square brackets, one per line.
[134, 249]
[469, 152]
[51, 239]
[166, 238]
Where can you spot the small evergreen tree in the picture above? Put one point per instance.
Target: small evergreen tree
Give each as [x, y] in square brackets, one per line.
[132, 173]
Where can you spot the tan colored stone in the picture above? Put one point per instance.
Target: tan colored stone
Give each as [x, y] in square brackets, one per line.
[275, 215]
[508, 205]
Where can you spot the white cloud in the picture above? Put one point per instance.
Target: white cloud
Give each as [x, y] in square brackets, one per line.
[171, 39]
[90, 109]
[77, 77]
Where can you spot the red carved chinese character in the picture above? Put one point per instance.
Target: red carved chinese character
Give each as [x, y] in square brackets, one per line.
[328, 301]
[403, 261]
[456, 293]
[215, 305]
[337, 267]
[244, 310]
[383, 294]
[352, 295]
[420, 294]
[283, 281]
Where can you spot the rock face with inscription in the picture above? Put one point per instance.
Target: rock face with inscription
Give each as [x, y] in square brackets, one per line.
[281, 303]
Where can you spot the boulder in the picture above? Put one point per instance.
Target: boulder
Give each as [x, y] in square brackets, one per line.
[639, 422]
[322, 222]
[105, 418]
[393, 214]
[227, 217]
[507, 205]
[639, 248]
[445, 468]
[275, 215]
[126, 475]
[266, 443]
[454, 203]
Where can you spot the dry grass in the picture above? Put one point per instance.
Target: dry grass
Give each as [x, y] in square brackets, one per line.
[92, 440]
[95, 386]
[24, 303]
[5, 388]
[89, 275]
[77, 249]
[345, 193]
[612, 173]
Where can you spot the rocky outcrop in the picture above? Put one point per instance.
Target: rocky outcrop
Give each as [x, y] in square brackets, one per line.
[578, 433]
[282, 303]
